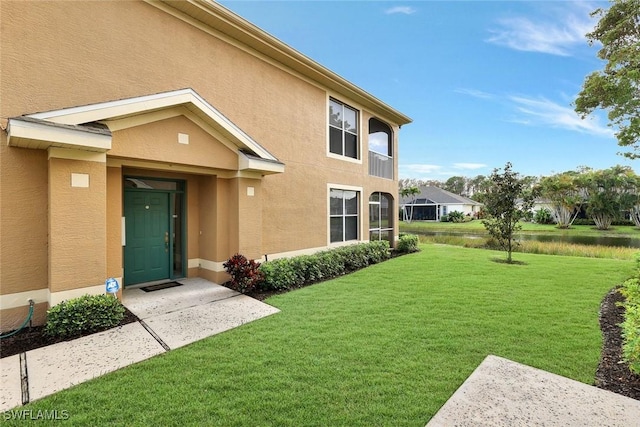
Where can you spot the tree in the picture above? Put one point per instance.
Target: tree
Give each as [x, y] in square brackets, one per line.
[456, 185]
[609, 192]
[565, 197]
[408, 192]
[506, 202]
[616, 89]
[478, 187]
[634, 211]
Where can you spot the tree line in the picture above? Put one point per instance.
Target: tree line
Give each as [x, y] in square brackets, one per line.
[605, 195]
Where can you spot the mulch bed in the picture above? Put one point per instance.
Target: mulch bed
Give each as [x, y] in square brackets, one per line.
[612, 374]
[32, 338]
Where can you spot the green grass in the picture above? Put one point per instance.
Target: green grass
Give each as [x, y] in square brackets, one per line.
[476, 227]
[385, 346]
[534, 247]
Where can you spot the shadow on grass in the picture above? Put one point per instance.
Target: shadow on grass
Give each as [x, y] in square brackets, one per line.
[505, 261]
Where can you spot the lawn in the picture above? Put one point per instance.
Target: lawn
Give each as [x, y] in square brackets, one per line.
[476, 227]
[385, 346]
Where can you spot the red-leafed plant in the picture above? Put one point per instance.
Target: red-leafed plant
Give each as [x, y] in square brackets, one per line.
[244, 273]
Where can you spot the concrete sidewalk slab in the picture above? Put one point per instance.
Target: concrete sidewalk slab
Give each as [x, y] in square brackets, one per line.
[62, 365]
[195, 291]
[505, 393]
[10, 383]
[182, 327]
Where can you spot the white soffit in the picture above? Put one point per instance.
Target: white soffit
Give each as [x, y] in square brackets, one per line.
[38, 134]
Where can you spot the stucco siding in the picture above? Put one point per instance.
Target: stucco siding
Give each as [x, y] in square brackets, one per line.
[159, 141]
[23, 218]
[77, 225]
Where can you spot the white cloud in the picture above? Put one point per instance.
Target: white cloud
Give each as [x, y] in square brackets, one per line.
[423, 168]
[474, 92]
[471, 166]
[558, 36]
[426, 171]
[406, 10]
[541, 111]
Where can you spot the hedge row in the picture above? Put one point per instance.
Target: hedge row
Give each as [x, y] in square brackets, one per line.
[288, 273]
[631, 324]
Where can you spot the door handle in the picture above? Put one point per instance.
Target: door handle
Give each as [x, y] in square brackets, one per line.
[166, 241]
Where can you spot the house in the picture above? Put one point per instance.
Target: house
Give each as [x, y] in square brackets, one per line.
[151, 140]
[432, 203]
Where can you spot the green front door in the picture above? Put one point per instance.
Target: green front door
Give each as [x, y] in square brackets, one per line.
[146, 253]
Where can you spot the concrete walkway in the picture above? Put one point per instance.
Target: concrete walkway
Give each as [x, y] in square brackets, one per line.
[170, 318]
[505, 393]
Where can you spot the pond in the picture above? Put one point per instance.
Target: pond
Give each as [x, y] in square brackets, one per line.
[619, 241]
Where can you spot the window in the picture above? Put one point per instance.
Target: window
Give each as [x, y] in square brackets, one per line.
[380, 149]
[380, 140]
[380, 217]
[343, 212]
[343, 130]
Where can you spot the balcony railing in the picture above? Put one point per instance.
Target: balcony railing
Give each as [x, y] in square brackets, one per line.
[380, 165]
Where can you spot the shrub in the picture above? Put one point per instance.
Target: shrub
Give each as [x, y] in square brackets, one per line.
[408, 243]
[631, 335]
[85, 314]
[377, 251]
[278, 274]
[543, 216]
[456, 216]
[307, 268]
[444, 218]
[631, 324]
[245, 275]
[288, 273]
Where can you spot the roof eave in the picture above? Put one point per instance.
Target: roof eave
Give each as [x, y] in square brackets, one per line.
[234, 26]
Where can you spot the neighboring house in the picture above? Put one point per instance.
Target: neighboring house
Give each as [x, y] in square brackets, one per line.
[539, 203]
[433, 202]
[151, 140]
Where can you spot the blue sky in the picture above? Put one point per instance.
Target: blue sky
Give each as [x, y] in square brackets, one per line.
[485, 82]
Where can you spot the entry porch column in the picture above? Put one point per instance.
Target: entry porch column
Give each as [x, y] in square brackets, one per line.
[77, 223]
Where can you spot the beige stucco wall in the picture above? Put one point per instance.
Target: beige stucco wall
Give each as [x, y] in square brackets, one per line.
[77, 225]
[158, 141]
[64, 54]
[23, 219]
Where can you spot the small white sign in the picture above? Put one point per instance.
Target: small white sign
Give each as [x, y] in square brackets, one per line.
[80, 180]
[112, 285]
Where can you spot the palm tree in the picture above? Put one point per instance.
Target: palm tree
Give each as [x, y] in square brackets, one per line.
[410, 191]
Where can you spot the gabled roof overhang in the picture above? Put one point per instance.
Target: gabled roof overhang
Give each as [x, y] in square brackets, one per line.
[86, 127]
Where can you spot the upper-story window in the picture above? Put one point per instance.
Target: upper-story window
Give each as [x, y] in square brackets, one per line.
[343, 130]
[380, 149]
[380, 140]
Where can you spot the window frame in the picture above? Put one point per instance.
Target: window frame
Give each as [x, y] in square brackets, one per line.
[390, 216]
[358, 127]
[338, 187]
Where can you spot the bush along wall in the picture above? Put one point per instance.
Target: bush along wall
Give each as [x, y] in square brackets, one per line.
[289, 273]
[85, 314]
